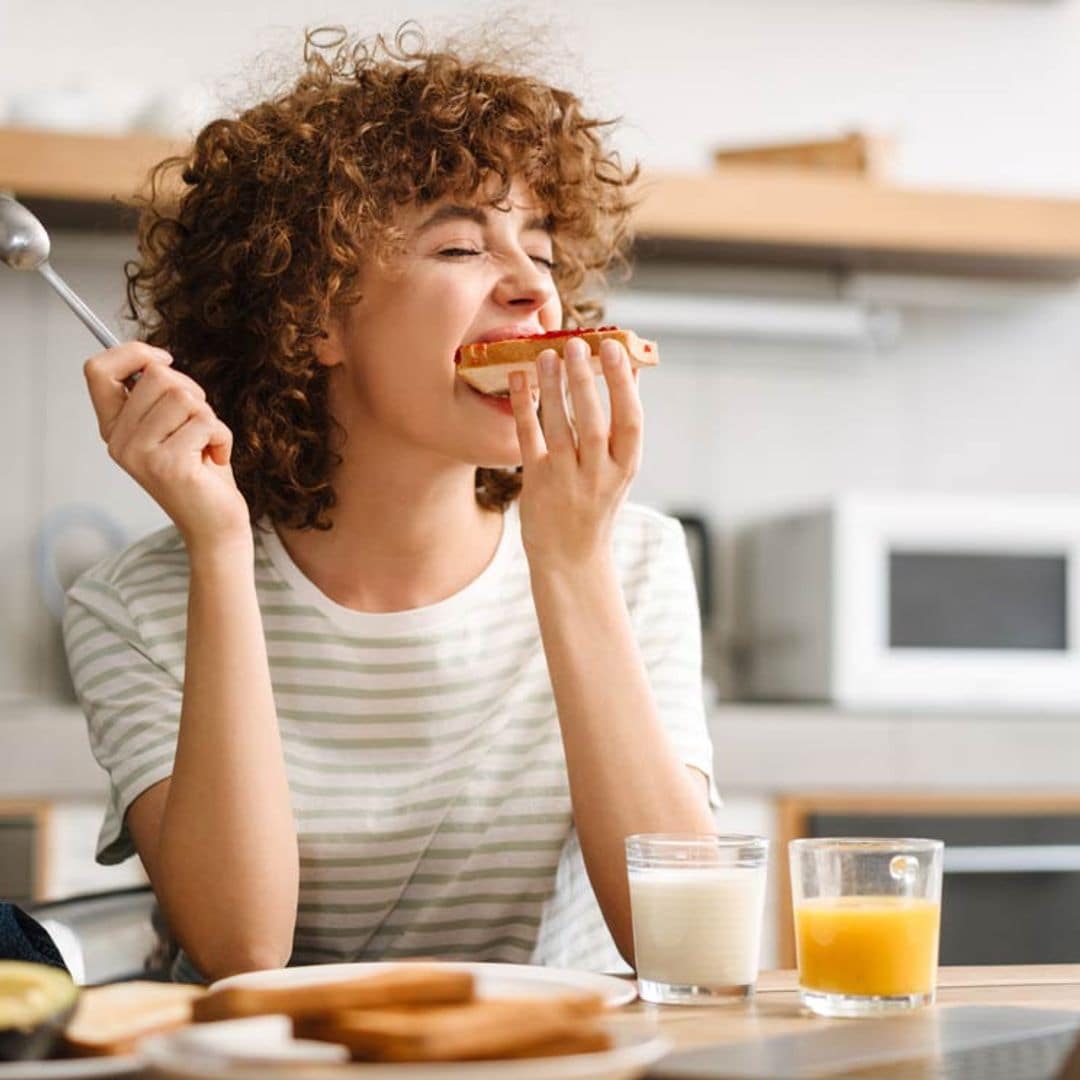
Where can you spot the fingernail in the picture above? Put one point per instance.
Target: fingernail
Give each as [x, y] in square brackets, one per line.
[517, 381]
[549, 362]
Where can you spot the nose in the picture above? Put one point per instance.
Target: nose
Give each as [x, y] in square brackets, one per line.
[524, 284]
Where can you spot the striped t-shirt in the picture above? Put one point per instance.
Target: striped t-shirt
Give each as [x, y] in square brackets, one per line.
[423, 751]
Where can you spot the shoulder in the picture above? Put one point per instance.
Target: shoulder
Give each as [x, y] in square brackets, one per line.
[650, 552]
[643, 533]
[158, 559]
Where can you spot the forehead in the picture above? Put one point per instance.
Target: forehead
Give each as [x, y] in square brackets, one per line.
[520, 204]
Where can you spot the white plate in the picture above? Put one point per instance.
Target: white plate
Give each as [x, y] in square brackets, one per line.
[95, 1068]
[492, 980]
[261, 1048]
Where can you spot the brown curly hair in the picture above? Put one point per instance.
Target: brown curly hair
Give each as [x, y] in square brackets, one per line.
[240, 270]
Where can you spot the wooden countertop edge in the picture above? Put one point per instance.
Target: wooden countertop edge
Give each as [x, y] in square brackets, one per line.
[951, 978]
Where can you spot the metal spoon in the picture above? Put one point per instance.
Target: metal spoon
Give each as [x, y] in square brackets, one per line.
[24, 245]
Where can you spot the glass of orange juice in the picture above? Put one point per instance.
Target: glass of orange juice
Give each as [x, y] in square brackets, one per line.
[867, 913]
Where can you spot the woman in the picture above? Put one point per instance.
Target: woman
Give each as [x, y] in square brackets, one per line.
[406, 669]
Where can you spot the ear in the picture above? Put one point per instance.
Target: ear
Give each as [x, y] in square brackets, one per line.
[330, 351]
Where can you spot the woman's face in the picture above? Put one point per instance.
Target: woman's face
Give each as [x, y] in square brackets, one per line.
[470, 272]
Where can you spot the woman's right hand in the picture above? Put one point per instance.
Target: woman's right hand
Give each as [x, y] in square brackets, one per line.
[165, 435]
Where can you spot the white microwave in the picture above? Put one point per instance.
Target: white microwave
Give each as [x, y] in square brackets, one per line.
[904, 600]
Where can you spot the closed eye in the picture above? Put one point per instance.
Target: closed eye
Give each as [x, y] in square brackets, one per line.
[457, 253]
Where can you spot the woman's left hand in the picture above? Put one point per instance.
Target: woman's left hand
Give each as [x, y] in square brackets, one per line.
[575, 477]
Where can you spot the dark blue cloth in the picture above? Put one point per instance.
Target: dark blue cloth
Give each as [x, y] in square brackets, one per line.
[24, 938]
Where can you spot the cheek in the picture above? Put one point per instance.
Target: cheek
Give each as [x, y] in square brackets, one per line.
[551, 314]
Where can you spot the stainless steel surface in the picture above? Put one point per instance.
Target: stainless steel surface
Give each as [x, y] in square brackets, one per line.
[104, 937]
[24, 245]
[1013, 859]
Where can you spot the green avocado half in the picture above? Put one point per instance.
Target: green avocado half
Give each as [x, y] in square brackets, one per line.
[36, 1002]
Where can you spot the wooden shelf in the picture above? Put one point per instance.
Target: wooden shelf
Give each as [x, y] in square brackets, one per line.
[737, 214]
[776, 215]
[77, 168]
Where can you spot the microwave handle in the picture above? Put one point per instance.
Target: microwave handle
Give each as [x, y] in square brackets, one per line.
[1013, 859]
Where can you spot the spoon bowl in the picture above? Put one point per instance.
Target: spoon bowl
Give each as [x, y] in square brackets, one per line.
[24, 243]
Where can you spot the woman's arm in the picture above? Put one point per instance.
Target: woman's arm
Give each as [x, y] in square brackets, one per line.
[217, 838]
[625, 776]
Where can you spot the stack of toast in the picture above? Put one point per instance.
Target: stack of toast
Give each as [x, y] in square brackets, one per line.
[420, 1012]
[109, 1020]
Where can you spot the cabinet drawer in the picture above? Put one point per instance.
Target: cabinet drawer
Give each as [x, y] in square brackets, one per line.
[17, 862]
[23, 839]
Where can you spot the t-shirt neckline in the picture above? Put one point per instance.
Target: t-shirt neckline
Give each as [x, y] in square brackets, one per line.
[486, 587]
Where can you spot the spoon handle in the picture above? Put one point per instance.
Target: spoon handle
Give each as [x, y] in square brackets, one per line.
[73, 301]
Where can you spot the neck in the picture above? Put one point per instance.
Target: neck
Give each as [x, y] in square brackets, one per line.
[401, 538]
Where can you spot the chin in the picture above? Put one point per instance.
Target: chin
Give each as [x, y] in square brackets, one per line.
[503, 458]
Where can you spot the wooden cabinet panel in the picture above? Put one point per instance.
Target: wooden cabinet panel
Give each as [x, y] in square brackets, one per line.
[795, 813]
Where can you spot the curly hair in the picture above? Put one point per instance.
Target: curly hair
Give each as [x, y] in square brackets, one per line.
[242, 264]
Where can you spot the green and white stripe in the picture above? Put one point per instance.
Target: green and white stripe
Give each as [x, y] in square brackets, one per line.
[423, 748]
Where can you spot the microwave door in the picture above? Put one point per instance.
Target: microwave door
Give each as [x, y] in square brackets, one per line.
[977, 600]
[955, 625]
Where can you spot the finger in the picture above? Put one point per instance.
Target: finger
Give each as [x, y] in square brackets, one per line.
[204, 435]
[107, 372]
[151, 417]
[530, 435]
[156, 382]
[556, 424]
[626, 412]
[589, 418]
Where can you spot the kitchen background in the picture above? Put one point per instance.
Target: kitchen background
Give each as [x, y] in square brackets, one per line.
[956, 384]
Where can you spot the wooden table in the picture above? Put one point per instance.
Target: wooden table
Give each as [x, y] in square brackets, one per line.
[775, 1008]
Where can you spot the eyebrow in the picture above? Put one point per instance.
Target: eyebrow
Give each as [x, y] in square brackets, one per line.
[477, 215]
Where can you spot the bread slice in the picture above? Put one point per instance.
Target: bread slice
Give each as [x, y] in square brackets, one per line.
[486, 365]
[406, 985]
[494, 1028]
[111, 1019]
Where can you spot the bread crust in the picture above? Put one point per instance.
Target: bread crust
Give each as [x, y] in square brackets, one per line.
[486, 365]
[498, 1028]
[111, 1019]
[407, 985]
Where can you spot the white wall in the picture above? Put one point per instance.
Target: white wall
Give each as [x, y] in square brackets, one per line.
[980, 394]
[979, 93]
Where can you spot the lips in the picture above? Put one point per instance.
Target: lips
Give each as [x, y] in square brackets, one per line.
[502, 333]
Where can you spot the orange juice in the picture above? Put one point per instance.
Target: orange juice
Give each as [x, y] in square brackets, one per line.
[867, 945]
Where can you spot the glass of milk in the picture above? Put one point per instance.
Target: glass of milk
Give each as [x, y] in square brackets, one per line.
[698, 903]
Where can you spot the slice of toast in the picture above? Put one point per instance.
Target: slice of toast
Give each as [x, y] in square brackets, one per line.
[495, 1028]
[405, 985]
[486, 366]
[111, 1019]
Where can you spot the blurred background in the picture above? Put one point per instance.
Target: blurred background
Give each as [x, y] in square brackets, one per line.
[859, 250]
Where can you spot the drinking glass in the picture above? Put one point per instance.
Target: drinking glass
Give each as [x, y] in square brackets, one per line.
[697, 903]
[867, 916]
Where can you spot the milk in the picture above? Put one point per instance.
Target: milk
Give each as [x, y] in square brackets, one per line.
[698, 926]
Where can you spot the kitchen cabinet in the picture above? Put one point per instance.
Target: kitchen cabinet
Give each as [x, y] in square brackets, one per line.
[736, 214]
[24, 839]
[47, 852]
[1012, 865]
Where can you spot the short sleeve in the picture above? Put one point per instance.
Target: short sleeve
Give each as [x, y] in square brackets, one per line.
[130, 700]
[667, 621]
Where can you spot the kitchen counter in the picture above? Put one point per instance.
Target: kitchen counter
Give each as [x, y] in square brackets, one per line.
[46, 753]
[778, 748]
[759, 750]
[775, 1010]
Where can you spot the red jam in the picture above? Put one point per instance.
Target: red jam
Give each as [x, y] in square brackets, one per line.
[544, 337]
